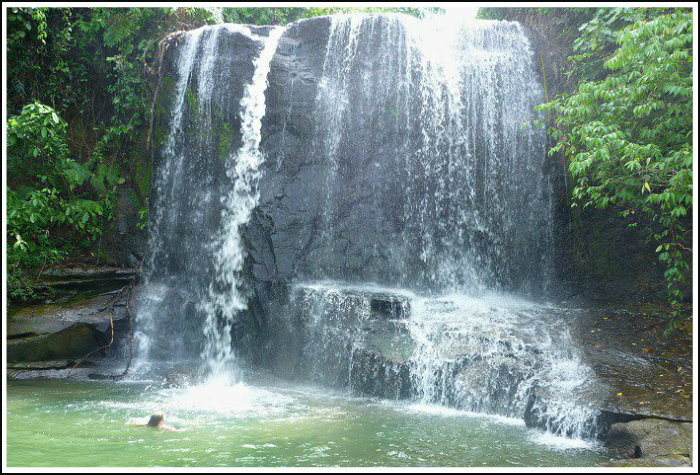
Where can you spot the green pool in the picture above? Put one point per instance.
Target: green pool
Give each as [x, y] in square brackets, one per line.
[262, 423]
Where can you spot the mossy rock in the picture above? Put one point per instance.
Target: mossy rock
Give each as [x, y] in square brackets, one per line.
[53, 332]
[650, 438]
[75, 341]
[38, 320]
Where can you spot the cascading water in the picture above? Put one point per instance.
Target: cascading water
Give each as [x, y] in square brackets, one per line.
[407, 198]
[185, 159]
[225, 301]
[328, 328]
[494, 354]
[498, 354]
[168, 228]
[443, 113]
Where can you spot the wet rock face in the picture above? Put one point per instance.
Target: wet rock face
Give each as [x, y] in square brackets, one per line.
[371, 174]
[350, 338]
[645, 372]
[374, 374]
[73, 328]
[190, 153]
[281, 230]
[651, 438]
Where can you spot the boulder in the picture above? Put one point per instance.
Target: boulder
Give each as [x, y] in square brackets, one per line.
[63, 331]
[73, 342]
[650, 438]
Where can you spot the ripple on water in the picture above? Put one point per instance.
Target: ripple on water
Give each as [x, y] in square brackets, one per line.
[248, 425]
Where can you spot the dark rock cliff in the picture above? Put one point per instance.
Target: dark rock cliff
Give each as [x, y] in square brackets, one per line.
[593, 255]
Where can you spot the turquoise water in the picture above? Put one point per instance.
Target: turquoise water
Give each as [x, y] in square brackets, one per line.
[71, 423]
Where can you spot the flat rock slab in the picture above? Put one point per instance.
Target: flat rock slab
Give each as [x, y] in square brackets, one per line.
[384, 303]
[77, 373]
[67, 283]
[52, 318]
[51, 332]
[89, 272]
[644, 373]
[52, 364]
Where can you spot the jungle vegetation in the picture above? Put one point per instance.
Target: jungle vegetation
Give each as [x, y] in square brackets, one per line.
[80, 84]
[625, 126]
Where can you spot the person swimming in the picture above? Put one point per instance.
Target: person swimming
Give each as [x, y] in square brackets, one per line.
[157, 421]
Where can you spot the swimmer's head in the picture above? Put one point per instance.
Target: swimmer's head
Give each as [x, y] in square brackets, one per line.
[156, 420]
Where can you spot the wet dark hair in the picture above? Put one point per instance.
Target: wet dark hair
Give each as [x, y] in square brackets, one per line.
[156, 420]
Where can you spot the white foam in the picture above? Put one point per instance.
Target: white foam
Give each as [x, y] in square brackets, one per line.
[444, 411]
[365, 287]
[226, 302]
[198, 403]
[231, 400]
[558, 442]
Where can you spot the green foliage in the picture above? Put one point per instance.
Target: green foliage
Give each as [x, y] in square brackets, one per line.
[143, 219]
[282, 16]
[417, 12]
[262, 16]
[628, 134]
[91, 68]
[51, 210]
[91, 64]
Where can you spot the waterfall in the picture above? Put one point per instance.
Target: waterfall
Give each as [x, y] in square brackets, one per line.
[398, 240]
[243, 169]
[199, 274]
[496, 354]
[443, 113]
[434, 195]
[166, 217]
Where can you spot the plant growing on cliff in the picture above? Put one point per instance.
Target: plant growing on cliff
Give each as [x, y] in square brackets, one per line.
[78, 84]
[628, 135]
[55, 205]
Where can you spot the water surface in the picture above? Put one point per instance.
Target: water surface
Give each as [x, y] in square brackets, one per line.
[73, 423]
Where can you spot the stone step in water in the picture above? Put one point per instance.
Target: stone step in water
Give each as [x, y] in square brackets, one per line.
[489, 354]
